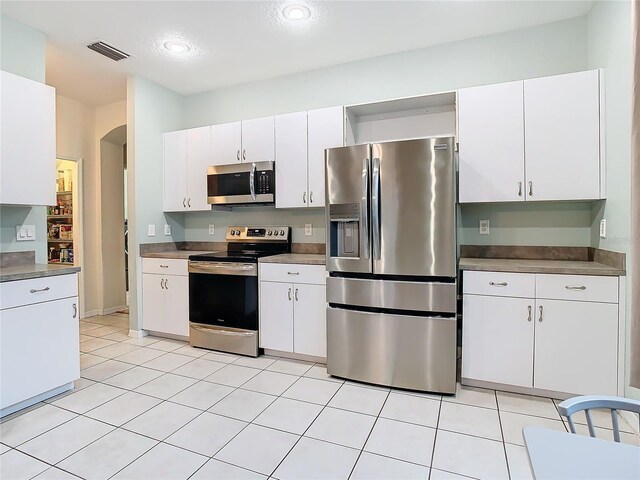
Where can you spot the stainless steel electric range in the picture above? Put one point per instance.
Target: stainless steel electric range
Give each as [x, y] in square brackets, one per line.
[223, 289]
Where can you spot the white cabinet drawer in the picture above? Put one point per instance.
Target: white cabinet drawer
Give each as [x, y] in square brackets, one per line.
[37, 290]
[165, 266]
[499, 284]
[577, 287]
[293, 273]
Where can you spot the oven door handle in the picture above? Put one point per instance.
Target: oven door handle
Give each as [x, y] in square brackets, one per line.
[214, 268]
[231, 333]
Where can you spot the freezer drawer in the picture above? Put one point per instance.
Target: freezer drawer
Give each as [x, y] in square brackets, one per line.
[417, 353]
[392, 294]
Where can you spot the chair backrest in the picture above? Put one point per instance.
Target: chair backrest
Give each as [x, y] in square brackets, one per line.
[589, 402]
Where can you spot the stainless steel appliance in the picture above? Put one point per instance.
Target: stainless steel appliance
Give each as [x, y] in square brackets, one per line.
[391, 257]
[223, 289]
[241, 183]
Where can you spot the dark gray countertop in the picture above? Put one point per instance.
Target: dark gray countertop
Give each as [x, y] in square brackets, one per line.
[300, 258]
[36, 270]
[566, 267]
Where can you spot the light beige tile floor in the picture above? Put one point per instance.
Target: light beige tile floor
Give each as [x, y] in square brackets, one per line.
[155, 408]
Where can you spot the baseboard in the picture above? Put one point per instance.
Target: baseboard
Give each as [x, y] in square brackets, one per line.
[89, 313]
[137, 333]
[538, 392]
[296, 356]
[109, 311]
[33, 400]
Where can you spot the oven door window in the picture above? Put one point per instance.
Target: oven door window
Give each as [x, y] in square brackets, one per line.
[228, 184]
[224, 300]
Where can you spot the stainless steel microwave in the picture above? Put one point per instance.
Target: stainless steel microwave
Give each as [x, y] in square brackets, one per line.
[242, 183]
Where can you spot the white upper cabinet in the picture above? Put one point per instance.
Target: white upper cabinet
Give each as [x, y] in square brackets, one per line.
[491, 134]
[226, 143]
[325, 130]
[175, 171]
[258, 140]
[291, 164]
[187, 154]
[28, 146]
[198, 160]
[528, 141]
[301, 139]
[562, 137]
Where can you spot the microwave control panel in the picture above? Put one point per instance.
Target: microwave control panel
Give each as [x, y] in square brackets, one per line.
[265, 182]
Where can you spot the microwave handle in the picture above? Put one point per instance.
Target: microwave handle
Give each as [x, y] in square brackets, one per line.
[252, 186]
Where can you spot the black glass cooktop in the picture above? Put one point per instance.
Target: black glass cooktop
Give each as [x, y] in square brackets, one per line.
[247, 256]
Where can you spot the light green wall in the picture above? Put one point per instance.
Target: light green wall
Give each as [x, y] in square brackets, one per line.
[151, 111]
[609, 47]
[545, 50]
[22, 52]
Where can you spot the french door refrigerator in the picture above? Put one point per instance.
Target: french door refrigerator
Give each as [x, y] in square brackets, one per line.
[391, 257]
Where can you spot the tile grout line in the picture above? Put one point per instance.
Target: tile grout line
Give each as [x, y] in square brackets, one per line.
[504, 443]
[435, 439]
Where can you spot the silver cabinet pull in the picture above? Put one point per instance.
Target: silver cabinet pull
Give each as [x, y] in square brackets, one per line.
[540, 319]
[499, 284]
[296, 295]
[519, 189]
[184, 202]
[238, 155]
[164, 266]
[293, 273]
[75, 310]
[189, 203]
[162, 283]
[310, 197]
[36, 290]
[531, 189]
[304, 197]
[575, 287]
[166, 283]
[244, 154]
[529, 317]
[289, 294]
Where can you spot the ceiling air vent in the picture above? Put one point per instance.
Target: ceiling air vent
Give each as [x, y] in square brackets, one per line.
[108, 51]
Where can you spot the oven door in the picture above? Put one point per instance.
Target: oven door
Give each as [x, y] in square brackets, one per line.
[241, 183]
[223, 306]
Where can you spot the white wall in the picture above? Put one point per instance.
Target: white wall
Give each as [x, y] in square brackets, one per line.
[151, 111]
[22, 52]
[609, 41]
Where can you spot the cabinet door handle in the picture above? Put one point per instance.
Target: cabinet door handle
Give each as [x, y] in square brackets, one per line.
[575, 287]
[304, 197]
[166, 283]
[310, 197]
[238, 155]
[529, 317]
[540, 319]
[164, 266]
[244, 154]
[75, 310]
[184, 202]
[531, 189]
[499, 284]
[296, 295]
[36, 290]
[289, 294]
[519, 189]
[293, 273]
[189, 203]
[162, 283]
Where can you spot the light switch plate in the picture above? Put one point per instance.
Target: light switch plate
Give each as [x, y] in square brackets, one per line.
[25, 233]
[308, 229]
[603, 228]
[152, 230]
[484, 227]
[212, 229]
[167, 229]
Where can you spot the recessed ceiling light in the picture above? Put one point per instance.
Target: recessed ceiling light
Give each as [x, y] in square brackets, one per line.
[296, 12]
[177, 47]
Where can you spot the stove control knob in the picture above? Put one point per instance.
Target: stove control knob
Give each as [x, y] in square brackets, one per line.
[269, 232]
[237, 232]
[232, 232]
[281, 232]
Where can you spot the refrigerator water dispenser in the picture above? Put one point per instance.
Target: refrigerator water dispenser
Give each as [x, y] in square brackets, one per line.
[344, 230]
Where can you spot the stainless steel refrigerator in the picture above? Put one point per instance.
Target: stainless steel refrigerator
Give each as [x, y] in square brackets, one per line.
[391, 257]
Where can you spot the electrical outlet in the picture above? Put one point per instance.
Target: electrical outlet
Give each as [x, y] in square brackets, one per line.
[167, 229]
[484, 227]
[308, 229]
[152, 230]
[212, 229]
[603, 228]
[25, 233]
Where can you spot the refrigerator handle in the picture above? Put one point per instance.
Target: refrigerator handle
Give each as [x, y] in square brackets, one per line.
[375, 209]
[364, 208]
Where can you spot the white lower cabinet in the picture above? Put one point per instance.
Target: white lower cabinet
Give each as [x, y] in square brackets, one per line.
[165, 299]
[553, 343]
[39, 346]
[292, 315]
